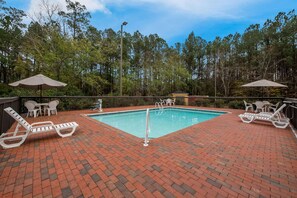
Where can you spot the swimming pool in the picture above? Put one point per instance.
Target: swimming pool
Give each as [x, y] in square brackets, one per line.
[162, 122]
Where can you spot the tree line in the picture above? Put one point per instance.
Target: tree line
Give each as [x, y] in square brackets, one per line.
[65, 46]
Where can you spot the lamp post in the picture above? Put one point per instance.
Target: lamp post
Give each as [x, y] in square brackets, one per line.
[121, 59]
[215, 80]
[215, 74]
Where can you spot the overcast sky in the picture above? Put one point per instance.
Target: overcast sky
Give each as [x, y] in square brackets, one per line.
[173, 20]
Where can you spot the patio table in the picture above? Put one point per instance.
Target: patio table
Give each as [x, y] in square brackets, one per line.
[262, 106]
[42, 107]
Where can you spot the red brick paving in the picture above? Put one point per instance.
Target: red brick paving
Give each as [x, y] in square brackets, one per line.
[222, 157]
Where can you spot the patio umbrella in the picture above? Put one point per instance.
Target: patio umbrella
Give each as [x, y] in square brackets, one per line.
[39, 82]
[264, 83]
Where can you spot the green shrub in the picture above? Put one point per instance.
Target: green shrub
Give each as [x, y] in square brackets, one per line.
[201, 102]
[236, 104]
[219, 103]
[179, 101]
[4, 90]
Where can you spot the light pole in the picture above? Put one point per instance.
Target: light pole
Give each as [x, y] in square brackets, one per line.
[121, 59]
[215, 74]
[215, 80]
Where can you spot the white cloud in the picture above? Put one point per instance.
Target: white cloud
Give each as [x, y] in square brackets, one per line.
[168, 18]
[174, 18]
[196, 8]
[94, 5]
[37, 6]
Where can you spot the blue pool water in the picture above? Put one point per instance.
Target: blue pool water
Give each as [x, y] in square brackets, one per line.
[161, 122]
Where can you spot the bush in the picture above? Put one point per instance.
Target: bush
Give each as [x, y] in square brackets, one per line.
[235, 104]
[179, 101]
[201, 102]
[4, 90]
[75, 104]
[219, 103]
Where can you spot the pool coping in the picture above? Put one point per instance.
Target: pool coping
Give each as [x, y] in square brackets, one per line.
[88, 116]
[133, 110]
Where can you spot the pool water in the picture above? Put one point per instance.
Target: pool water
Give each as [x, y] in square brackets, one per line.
[162, 122]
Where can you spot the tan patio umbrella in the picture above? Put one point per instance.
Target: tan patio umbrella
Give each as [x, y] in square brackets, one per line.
[264, 83]
[39, 82]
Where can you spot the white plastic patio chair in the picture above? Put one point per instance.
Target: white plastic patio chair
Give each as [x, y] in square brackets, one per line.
[163, 102]
[173, 101]
[273, 107]
[36, 105]
[260, 106]
[275, 118]
[170, 102]
[32, 110]
[16, 138]
[52, 107]
[32, 101]
[248, 106]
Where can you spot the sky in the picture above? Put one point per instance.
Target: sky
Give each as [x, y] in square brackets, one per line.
[173, 20]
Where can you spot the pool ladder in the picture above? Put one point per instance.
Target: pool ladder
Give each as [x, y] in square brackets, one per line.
[147, 128]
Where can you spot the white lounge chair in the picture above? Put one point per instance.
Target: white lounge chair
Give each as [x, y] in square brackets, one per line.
[276, 118]
[16, 138]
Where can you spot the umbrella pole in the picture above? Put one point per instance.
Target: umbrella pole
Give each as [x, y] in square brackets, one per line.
[40, 96]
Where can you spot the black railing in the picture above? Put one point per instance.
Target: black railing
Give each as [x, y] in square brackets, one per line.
[228, 102]
[291, 110]
[6, 120]
[85, 102]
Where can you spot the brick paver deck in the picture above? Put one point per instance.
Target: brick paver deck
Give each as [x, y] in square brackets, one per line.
[222, 157]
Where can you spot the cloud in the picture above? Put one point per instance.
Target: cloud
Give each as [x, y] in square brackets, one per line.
[170, 18]
[37, 6]
[196, 8]
[94, 5]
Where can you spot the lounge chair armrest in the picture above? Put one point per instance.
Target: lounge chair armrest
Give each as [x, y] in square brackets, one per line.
[3, 135]
[42, 123]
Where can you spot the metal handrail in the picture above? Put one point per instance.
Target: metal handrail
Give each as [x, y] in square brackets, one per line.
[147, 128]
